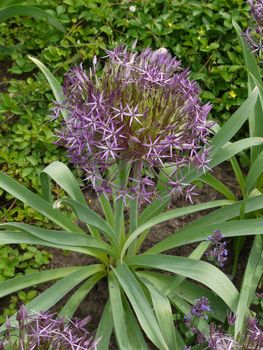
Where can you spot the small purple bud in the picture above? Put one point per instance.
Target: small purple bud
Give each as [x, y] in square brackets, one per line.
[231, 318]
[21, 314]
[218, 252]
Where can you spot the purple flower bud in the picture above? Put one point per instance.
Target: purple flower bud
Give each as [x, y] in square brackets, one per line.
[142, 109]
[200, 308]
[231, 318]
[22, 315]
[218, 251]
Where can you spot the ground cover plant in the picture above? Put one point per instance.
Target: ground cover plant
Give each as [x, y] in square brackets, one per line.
[132, 149]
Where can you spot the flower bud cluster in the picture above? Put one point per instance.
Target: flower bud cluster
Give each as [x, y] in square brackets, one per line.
[218, 252]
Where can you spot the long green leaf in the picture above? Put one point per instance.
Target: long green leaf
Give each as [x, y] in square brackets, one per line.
[61, 174]
[172, 214]
[32, 11]
[133, 329]
[140, 305]
[255, 118]
[54, 84]
[118, 313]
[163, 312]
[52, 295]
[252, 276]
[161, 282]
[254, 173]
[234, 123]
[200, 233]
[213, 182]
[88, 216]
[234, 148]
[227, 213]
[37, 203]
[200, 271]
[14, 284]
[105, 328]
[61, 237]
[73, 303]
[196, 254]
[12, 237]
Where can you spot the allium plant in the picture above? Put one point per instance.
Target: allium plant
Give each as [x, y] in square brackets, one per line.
[46, 331]
[142, 111]
[138, 131]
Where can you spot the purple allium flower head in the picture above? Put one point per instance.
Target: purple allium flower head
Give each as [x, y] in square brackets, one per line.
[256, 8]
[218, 340]
[142, 109]
[218, 251]
[254, 337]
[254, 34]
[48, 331]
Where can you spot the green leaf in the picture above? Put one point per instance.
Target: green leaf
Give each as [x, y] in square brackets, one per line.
[234, 148]
[53, 82]
[52, 295]
[163, 312]
[72, 304]
[251, 279]
[234, 123]
[37, 203]
[105, 328]
[227, 213]
[14, 284]
[200, 271]
[254, 173]
[161, 282]
[140, 305]
[196, 254]
[88, 216]
[199, 233]
[61, 237]
[213, 182]
[25, 10]
[61, 174]
[171, 214]
[118, 313]
[11, 237]
[255, 118]
[133, 329]
[153, 209]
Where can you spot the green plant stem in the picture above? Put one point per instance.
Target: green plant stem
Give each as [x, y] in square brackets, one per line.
[119, 226]
[239, 175]
[133, 215]
[238, 245]
[107, 209]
